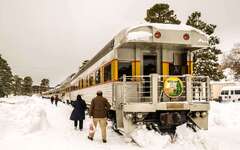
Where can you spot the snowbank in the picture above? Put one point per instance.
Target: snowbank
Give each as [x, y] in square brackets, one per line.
[223, 132]
[20, 116]
[28, 123]
[225, 115]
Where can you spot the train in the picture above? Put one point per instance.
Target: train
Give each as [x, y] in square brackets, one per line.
[146, 73]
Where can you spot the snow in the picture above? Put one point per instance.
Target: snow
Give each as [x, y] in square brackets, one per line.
[33, 123]
[140, 35]
[233, 87]
[181, 27]
[229, 74]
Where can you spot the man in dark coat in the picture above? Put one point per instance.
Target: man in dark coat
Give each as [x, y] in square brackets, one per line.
[78, 113]
[56, 100]
[98, 110]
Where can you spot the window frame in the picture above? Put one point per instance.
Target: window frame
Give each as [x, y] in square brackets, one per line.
[119, 64]
[237, 92]
[109, 78]
[97, 77]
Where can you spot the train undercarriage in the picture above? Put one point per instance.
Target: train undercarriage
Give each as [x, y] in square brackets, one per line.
[163, 122]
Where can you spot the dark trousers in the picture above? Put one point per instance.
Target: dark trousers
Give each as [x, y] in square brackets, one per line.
[80, 124]
[52, 101]
[56, 102]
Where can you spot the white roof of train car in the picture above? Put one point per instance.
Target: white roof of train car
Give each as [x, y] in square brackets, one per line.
[170, 34]
[180, 27]
[234, 87]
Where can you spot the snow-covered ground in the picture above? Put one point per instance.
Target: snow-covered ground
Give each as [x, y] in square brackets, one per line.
[32, 123]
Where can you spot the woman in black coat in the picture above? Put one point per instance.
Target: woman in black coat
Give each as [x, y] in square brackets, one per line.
[78, 113]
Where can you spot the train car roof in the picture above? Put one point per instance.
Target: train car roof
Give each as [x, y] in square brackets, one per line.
[107, 48]
[161, 26]
[169, 34]
[234, 87]
[145, 33]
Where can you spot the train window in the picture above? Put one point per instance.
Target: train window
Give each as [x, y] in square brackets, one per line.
[91, 80]
[226, 92]
[177, 70]
[222, 93]
[107, 72]
[237, 92]
[150, 64]
[124, 68]
[97, 77]
[232, 92]
[179, 65]
[87, 81]
[81, 83]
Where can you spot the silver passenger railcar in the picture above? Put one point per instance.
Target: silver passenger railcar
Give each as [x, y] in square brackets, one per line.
[146, 73]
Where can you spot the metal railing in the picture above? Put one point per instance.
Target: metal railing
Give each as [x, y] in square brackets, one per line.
[200, 88]
[150, 89]
[137, 89]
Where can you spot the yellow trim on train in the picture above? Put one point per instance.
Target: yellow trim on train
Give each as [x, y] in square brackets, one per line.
[190, 67]
[165, 68]
[114, 70]
[102, 74]
[136, 71]
[136, 68]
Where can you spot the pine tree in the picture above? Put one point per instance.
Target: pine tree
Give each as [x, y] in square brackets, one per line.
[17, 85]
[206, 60]
[44, 86]
[6, 78]
[232, 61]
[27, 85]
[160, 13]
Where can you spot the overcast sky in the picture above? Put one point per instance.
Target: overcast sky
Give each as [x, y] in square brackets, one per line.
[50, 38]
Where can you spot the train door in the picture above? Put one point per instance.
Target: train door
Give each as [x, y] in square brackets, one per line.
[149, 64]
[149, 67]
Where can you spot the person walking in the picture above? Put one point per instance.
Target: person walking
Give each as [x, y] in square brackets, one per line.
[98, 111]
[52, 99]
[78, 113]
[56, 100]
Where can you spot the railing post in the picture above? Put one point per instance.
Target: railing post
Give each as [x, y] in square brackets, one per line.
[189, 88]
[124, 88]
[154, 83]
[208, 89]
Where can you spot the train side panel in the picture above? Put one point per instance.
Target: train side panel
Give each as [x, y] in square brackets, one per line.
[89, 93]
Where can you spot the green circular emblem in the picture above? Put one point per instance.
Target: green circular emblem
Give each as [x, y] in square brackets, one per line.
[173, 87]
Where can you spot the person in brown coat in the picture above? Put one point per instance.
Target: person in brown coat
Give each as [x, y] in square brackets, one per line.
[98, 111]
